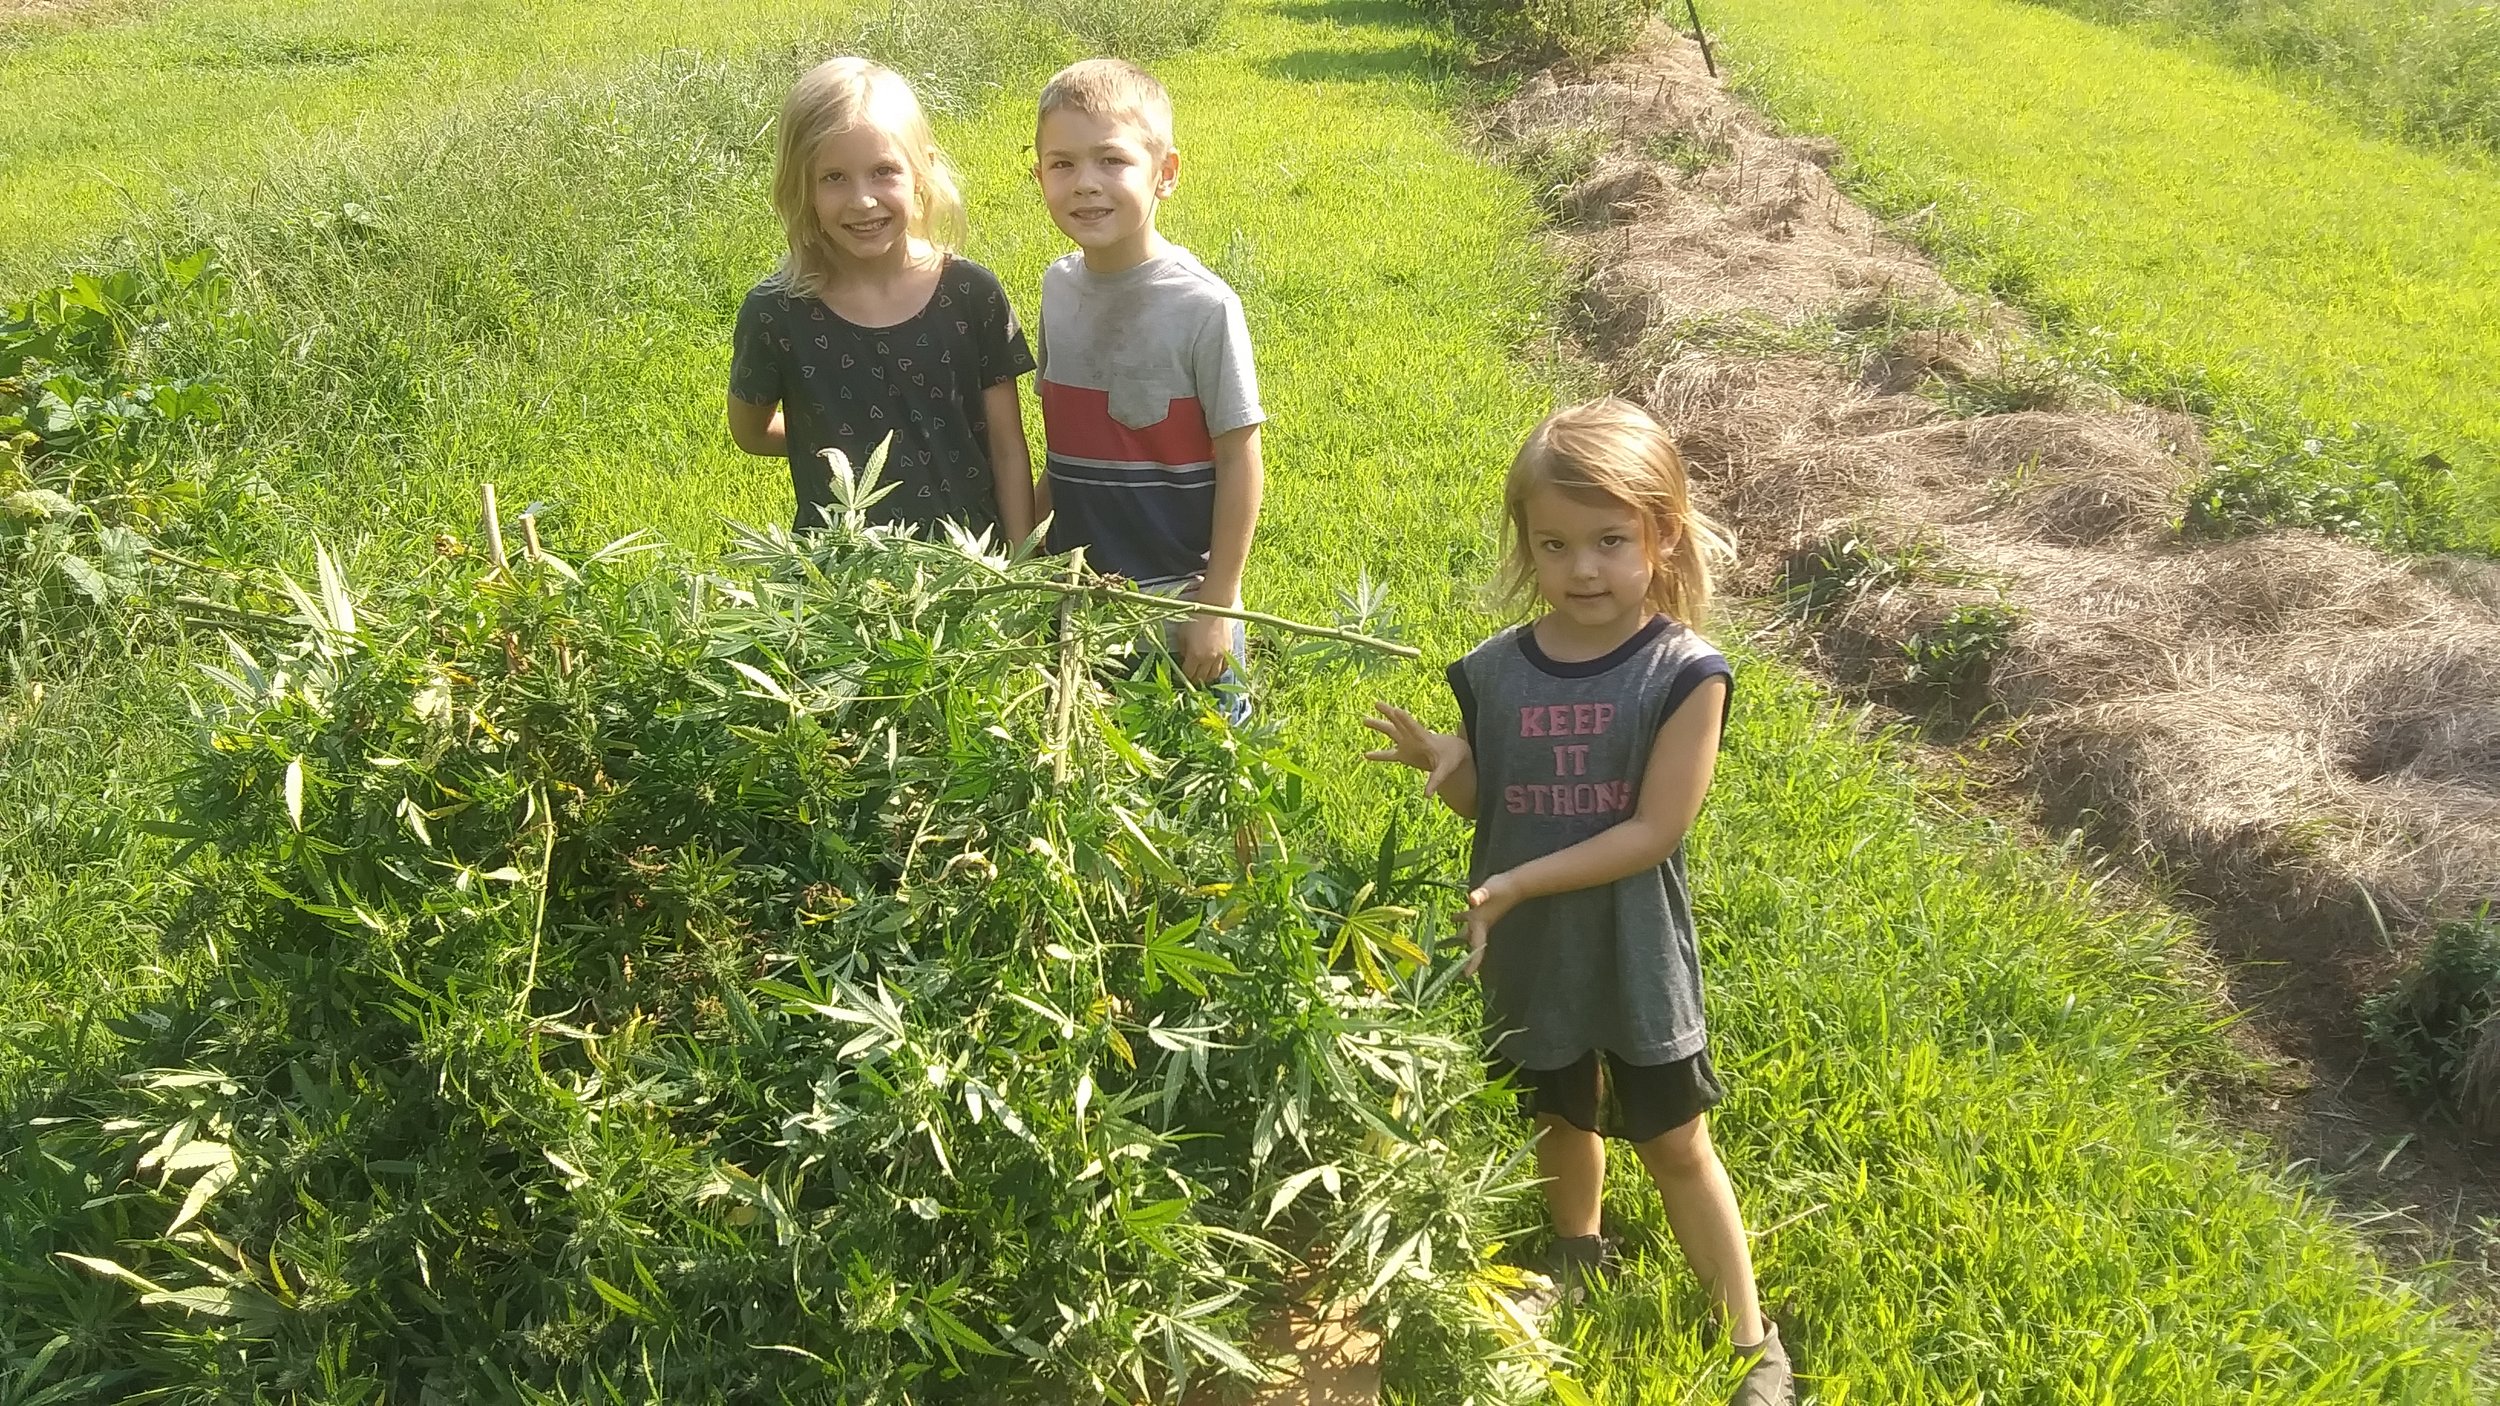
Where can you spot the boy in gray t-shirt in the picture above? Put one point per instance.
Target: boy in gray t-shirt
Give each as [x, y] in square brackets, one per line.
[1150, 407]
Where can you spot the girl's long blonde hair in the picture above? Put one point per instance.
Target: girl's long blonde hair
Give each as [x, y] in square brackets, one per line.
[1612, 449]
[836, 96]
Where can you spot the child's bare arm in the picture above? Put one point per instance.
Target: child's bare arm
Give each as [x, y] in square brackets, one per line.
[1447, 762]
[1011, 460]
[1041, 480]
[1680, 764]
[1239, 478]
[757, 429]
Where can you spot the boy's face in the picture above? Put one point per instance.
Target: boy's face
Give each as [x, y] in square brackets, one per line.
[1102, 178]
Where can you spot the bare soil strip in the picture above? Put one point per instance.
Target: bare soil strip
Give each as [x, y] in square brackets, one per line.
[2298, 729]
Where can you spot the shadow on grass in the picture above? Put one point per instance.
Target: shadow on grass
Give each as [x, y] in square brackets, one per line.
[1422, 58]
[1379, 14]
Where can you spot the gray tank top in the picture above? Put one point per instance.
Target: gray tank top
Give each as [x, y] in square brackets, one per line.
[1560, 752]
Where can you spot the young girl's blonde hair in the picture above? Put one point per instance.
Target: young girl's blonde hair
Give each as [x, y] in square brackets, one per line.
[836, 96]
[1612, 449]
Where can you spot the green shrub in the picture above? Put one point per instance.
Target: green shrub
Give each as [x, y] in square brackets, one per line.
[2362, 482]
[2020, 379]
[1136, 29]
[958, 54]
[807, 981]
[1555, 159]
[1852, 565]
[1952, 659]
[1530, 32]
[961, 53]
[2425, 1024]
[1688, 152]
[80, 408]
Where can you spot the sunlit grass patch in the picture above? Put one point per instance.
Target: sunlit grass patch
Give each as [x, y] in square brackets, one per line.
[2201, 235]
[115, 112]
[2423, 69]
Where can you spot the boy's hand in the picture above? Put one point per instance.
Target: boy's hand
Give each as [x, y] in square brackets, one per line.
[1205, 642]
[1438, 755]
[1486, 906]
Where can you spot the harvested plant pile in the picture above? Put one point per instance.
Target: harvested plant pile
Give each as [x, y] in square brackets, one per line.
[811, 981]
[2310, 727]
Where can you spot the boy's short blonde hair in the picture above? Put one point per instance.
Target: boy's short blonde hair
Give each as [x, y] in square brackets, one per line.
[836, 96]
[1112, 88]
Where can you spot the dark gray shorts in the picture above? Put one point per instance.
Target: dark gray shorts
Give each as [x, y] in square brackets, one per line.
[1634, 1102]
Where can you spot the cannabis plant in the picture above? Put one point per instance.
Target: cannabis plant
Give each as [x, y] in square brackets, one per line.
[852, 973]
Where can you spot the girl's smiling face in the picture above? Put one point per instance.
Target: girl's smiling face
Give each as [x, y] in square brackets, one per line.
[864, 192]
[1594, 562]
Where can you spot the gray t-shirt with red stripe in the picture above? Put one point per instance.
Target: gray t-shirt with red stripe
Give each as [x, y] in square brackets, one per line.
[1561, 749]
[1140, 370]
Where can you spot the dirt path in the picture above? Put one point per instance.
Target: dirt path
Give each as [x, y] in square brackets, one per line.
[2297, 731]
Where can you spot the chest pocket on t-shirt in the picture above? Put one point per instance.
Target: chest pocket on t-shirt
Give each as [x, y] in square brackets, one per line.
[1141, 389]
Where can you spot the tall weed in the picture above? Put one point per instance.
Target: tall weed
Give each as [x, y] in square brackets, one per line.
[2426, 1024]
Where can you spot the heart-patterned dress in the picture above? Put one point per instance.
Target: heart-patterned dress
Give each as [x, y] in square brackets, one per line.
[848, 387]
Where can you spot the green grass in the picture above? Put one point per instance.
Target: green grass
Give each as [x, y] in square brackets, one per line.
[2428, 70]
[2200, 231]
[82, 889]
[1960, 1079]
[138, 106]
[1949, 1091]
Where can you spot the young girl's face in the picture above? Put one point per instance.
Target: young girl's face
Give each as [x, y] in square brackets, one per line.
[863, 191]
[1594, 559]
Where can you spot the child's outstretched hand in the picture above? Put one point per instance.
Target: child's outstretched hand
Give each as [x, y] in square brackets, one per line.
[1438, 755]
[1486, 906]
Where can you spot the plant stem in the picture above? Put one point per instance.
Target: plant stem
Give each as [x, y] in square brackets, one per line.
[493, 522]
[1063, 707]
[1180, 606]
[546, 880]
[176, 559]
[238, 614]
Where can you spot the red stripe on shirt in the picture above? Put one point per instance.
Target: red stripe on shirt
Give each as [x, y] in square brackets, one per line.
[1077, 424]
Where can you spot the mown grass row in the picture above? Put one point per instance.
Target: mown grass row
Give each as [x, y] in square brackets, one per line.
[2186, 230]
[1956, 1071]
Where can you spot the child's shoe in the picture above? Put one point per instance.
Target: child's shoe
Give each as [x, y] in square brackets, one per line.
[1584, 1263]
[1768, 1382]
[1570, 1268]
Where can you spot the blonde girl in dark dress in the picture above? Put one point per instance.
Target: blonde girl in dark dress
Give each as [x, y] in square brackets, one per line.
[873, 330]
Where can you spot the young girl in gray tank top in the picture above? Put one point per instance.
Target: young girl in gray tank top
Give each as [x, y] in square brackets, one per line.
[1588, 739]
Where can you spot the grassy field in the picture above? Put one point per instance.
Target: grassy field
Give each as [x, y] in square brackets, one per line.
[2424, 69]
[1959, 1076]
[2179, 216]
[141, 105]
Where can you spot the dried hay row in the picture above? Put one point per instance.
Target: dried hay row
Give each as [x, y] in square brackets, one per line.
[2310, 728]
